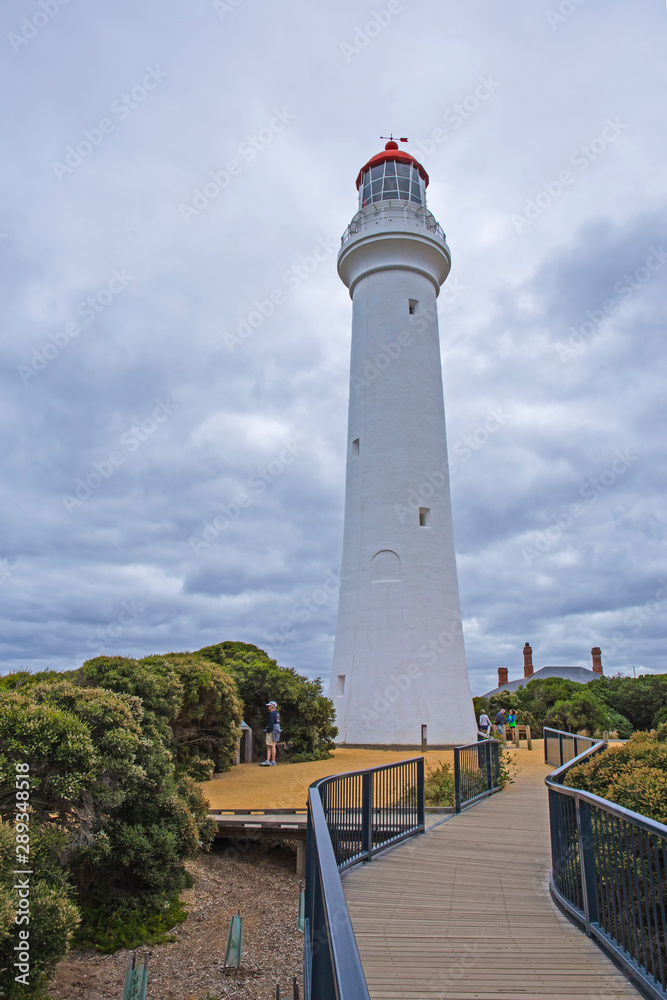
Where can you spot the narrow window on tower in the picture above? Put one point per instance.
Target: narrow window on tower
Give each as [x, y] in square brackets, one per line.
[412, 306]
[424, 517]
[355, 447]
[340, 685]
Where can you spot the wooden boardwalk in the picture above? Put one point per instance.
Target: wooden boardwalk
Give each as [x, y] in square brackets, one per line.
[464, 912]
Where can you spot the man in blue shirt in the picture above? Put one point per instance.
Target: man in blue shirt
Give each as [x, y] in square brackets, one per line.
[272, 731]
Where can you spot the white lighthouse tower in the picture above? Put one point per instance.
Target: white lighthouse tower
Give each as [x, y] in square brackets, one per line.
[399, 659]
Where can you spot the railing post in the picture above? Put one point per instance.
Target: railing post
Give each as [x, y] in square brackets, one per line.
[424, 737]
[560, 748]
[457, 779]
[310, 869]
[367, 815]
[321, 969]
[489, 768]
[554, 826]
[421, 811]
[587, 863]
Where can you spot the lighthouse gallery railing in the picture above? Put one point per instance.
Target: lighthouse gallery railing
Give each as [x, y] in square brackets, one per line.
[393, 210]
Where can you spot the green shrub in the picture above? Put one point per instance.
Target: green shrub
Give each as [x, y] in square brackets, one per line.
[53, 915]
[306, 758]
[633, 774]
[306, 714]
[439, 788]
[111, 788]
[198, 768]
[128, 928]
[207, 725]
[190, 702]
[159, 689]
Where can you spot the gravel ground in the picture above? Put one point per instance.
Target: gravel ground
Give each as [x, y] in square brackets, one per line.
[256, 878]
[250, 786]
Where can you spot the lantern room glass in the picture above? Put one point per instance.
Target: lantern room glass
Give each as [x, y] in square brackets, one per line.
[391, 181]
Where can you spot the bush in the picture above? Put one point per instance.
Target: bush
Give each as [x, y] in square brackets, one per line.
[110, 789]
[307, 758]
[209, 720]
[53, 915]
[129, 928]
[633, 775]
[439, 788]
[115, 751]
[306, 714]
[189, 701]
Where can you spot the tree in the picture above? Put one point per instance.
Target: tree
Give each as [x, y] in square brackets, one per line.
[637, 698]
[307, 715]
[580, 712]
[535, 701]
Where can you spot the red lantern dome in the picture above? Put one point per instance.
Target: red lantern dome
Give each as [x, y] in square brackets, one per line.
[392, 175]
[392, 152]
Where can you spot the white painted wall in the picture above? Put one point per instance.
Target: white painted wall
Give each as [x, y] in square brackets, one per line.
[399, 643]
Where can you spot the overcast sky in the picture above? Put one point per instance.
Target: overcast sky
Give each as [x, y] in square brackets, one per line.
[175, 337]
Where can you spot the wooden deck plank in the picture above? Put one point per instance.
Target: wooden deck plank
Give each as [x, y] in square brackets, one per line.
[464, 912]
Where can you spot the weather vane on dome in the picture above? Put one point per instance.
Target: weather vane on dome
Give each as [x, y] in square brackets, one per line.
[391, 138]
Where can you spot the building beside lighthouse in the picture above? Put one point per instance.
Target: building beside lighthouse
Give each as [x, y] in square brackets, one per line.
[399, 659]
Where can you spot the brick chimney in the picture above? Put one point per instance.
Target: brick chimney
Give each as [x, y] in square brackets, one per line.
[527, 661]
[502, 676]
[596, 653]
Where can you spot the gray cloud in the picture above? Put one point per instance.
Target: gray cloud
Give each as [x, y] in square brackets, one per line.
[518, 336]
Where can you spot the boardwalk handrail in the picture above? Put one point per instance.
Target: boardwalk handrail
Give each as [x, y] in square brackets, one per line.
[350, 818]
[561, 747]
[476, 771]
[609, 874]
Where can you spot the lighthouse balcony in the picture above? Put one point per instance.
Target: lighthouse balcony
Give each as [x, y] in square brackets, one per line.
[396, 215]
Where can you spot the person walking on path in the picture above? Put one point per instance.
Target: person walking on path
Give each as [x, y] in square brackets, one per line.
[484, 723]
[511, 722]
[272, 733]
[500, 722]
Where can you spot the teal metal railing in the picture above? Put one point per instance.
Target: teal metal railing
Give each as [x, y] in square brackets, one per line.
[609, 871]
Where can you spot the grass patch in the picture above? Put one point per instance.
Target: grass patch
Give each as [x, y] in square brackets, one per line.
[107, 932]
